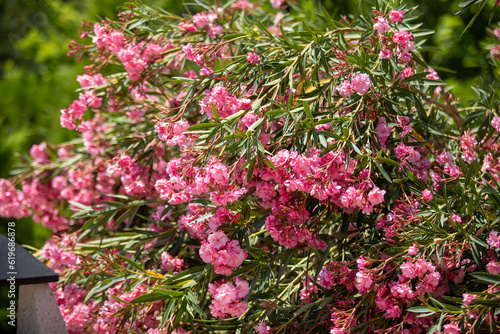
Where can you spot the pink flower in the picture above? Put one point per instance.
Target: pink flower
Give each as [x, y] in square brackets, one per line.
[67, 120]
[77, 109]
[226, 299]
[383, 130]
[407, 72]
[402, 291]
[407, 270]
[494, 240]
[277, 3]
[456, 218]
[404, 41]
[493, 267]
[385, 54]
[396, 16]
[225, 256]
[421, 267]
[241, 5]
[135, 114]
[361, 83]
[487, 162]
[39, 153]
[214, 30]
[187, 26]
[201, 20]
[361, 262]
[326, 278]
[468, 145]
[279, 16]
[413, 249]
[206, 71]
[262, 328]
[468, 298]
[404, 56]
[376, 196]
[401, 37]
[432, 74]
[432, 279]
[87, 80]
[453, 170]
[218, 173]
[444, 158]
[406, 126]
[495, 122]
[78, 319]
[217, 239]
[345, 89]
[451, 329]
[363, 281]
[427, 195]
[188, 50]
[381, 25]
[253, 57]
[393, 312]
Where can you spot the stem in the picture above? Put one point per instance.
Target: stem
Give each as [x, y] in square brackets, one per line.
[451, 111]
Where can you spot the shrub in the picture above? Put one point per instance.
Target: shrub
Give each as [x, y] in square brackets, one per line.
[249, 168]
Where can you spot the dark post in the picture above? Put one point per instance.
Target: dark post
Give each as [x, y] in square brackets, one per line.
[37, 312]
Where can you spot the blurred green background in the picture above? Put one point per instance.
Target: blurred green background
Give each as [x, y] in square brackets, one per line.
[37, 79]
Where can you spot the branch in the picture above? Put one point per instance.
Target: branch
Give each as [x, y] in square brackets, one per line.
[451, 111]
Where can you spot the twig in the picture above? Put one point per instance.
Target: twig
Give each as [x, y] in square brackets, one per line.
[448, 110]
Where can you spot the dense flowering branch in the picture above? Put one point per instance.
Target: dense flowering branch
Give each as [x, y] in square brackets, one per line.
[269, 173]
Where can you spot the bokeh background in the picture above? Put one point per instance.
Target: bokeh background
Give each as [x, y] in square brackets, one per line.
[37, 79]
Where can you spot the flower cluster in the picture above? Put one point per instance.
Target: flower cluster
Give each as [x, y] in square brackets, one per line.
[225, 255]
[360, 83]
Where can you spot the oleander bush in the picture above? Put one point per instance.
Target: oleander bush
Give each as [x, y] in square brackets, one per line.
[254, 167]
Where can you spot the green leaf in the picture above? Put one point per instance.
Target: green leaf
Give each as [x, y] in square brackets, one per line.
[478, 11]
[251, 167]
[274, 82]
[388, 161]
[354, 147]
[216, 114]
[269, 163]
[255, 125]
[104, 285]
[233, 36]
[437, 326]
[420, 309]
[383, 172]
[307, 110]
[154, 296]
[235, 115]
[183, 79]
[201, 126]
[415, 77]
[194, 303]
[478, 241]
[487, 278]
[304, 308]
[488, 302]
[133, 264]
